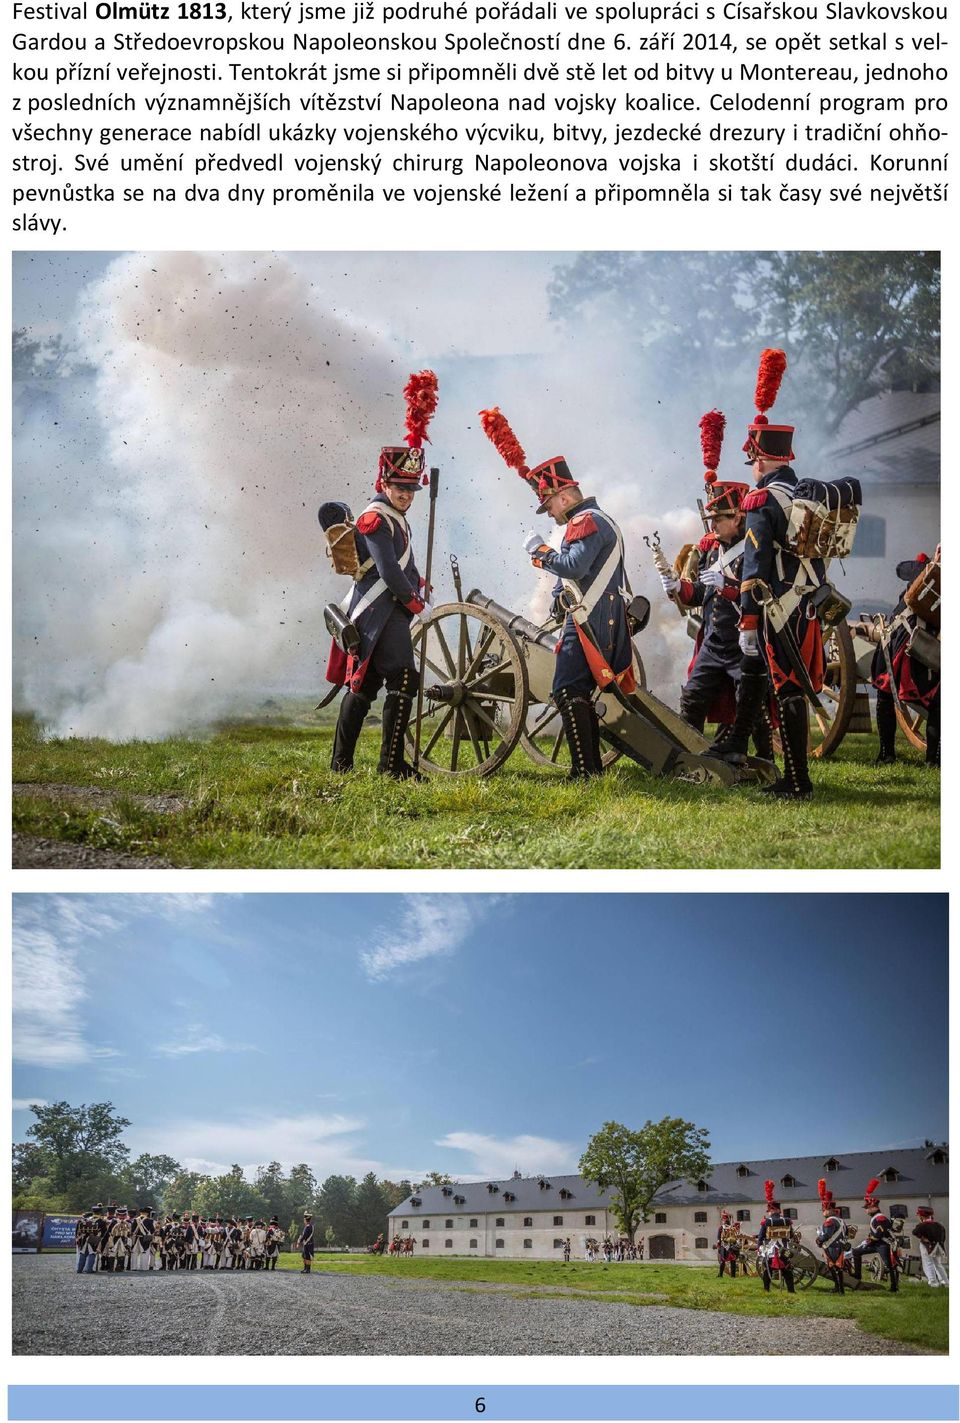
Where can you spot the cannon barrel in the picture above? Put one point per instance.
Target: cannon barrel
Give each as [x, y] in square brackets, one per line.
[513, 622]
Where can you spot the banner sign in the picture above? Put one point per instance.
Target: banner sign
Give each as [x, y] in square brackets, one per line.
[26, 1231]
[58, 1232]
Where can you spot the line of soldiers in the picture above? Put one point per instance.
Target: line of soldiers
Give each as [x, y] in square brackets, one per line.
[113, 1239]
[759, 659]
[777, 1240]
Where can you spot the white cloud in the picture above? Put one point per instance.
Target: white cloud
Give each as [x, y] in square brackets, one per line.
[500, 1156]
[429, 927]
[197, 1038]
[49, 983]
[327, 1143]
[23, 1104]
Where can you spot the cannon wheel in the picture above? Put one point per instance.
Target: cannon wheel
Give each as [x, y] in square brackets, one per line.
[806, 1267]
[544, 741]
[838, 695]
[480, 669]
[912, 725]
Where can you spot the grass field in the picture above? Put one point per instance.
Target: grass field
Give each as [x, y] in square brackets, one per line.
[916, 1315]
[263, 796]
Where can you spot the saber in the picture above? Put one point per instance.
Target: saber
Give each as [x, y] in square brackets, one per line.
[434, 486]
[778, 619]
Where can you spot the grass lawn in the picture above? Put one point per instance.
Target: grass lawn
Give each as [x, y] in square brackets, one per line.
[917, 1315]
[255, 796]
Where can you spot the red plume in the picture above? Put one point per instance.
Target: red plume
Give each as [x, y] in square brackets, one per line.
[773, 363]
[822, 1189]
[712, 427]
[496, 427]
[769, 1190]
[872, 1186]
[420, 393]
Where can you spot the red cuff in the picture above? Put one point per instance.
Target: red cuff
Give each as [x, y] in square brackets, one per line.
[731, 592]
[686, 591]
[749, 622]
[415, 605]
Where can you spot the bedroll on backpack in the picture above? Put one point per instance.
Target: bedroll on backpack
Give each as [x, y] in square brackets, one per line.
[823, 518]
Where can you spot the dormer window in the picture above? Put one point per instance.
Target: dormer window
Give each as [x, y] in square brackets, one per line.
[890, 1175]
[459, 1200]
[565, 1194]
[415, 1201]
[937, 1157]
[787, 1181]
[544, 1185]
[832, 1164]
[492, 1188]
[702, 1186]
[509, 1196]
[447, 1191]
[743, 1170]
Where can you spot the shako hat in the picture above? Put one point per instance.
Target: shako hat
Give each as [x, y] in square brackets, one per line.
[722, 496]
[769, 1191]
[766, 441]
[826, 1198]
[870, 1200]
[546, 478]
[925, 1212]
[403, 464]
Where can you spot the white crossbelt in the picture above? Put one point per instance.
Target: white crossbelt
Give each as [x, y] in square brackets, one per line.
[582, 605]
[380, 586]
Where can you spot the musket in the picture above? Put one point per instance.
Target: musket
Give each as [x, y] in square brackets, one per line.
[703, 517]
[434, 485]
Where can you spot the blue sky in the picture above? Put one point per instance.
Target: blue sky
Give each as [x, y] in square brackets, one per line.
[478, 1033]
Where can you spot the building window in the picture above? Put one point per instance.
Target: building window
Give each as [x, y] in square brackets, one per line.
[448, 1225]
[743, 1170]
[844, 1212]
[891, 1174]
[660, 1218]
[528, 1245]
[448, 1245]
[787, 1181]
[899, 1213]
[425, 1224]
[871, 539]
[702, 1186]
[424, 1245]
[702, 1243]
[558, 1245]
[833, 1164]
[743, 1215]
[498, 1244]
[528, 1220]
[590, 1220]
[699, 1217]
[473, 1245]
[404, 1225]
[558, 1220]
[790, 1212]
[499, 1220]
[473, 1225]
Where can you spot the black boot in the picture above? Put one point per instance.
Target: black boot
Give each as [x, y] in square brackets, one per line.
[595, 737]
[751, 694]
[353, 710]
[795, 783]
[397, 707]
[763, 733]
[693, 711]
[932, 756]
[886, 729]
[577, 714]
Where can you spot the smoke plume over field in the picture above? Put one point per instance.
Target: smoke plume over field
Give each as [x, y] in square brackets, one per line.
[169, 564]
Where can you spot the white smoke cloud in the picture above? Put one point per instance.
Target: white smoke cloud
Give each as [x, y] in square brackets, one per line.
[169, 564]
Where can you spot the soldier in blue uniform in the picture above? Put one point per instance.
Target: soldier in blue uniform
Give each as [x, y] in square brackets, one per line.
[832, 1236]
[305, 1243]
[774, 1248]
[728, 1245]
[881, 1239]
[912, 683]
[595, 648]
[792, 654]
[386, 596]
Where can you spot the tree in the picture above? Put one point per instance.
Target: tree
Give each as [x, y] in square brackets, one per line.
[337, 1206]
[434, 1178]
[302, 1189]
[82, 1148]
[180, 1195]
[371, 1209]
[636, 1164]
[29, 1162]
[274, 1189]
[230, 1195]
[149, 1177]
[394, 1192]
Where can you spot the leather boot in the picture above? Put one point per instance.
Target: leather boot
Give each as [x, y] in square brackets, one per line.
[693, 711]
[397, 707]
[595, 737]
[763, 733]
[353, 711]
[886, 729]
[795, 782]
[751, 694]
[577, 714]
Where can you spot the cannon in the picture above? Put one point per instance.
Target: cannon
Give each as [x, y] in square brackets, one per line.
[488, 674]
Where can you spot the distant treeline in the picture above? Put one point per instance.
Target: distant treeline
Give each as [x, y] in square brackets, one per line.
[75, 1156]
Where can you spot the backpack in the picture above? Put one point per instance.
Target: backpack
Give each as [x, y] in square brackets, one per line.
[823, 517]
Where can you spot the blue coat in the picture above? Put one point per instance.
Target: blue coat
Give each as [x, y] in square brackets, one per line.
[383, 538]
[588, 540]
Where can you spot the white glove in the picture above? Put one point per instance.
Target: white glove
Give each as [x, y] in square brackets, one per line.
[670, 584]
[533, 542]
[749, 645]
[425, 611]
[712, 577]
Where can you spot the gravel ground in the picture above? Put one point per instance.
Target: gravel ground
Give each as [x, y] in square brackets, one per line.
[56, 1311]
[33, 852]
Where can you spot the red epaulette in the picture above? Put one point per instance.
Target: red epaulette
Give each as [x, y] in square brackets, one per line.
[754, 500]
[369, 523]
[708, 542]
[580, 528]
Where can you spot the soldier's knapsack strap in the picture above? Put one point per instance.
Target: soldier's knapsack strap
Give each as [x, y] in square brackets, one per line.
[583, 604]
[380, 586]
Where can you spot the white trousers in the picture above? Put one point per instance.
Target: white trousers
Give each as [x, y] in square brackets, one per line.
[934, 1266]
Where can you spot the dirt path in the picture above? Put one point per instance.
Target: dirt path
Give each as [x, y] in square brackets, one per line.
[32, 852]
